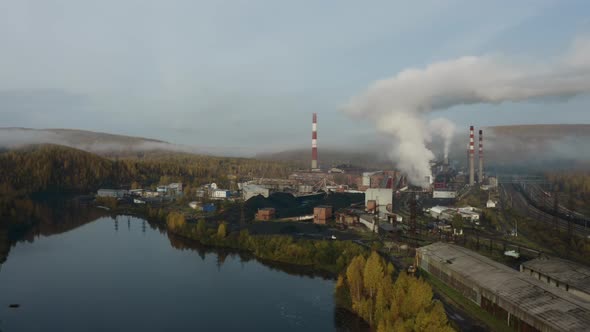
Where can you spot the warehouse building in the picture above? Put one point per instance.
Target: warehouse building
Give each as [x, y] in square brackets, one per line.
[523, 302]
[115, 193]
[566, 275]
[253, 190]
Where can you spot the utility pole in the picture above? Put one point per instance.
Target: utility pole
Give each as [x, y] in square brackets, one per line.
[555, 210]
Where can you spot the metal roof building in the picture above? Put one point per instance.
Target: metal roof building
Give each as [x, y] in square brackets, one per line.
[523, 302]
[567, 275]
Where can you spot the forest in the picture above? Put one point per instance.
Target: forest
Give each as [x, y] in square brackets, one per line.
[59, 169]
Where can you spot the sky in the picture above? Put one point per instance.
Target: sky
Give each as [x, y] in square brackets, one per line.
[245, 76]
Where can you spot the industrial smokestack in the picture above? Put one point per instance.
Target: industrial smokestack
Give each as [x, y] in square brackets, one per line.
[314, 142]
[480, 178]
[471, 157]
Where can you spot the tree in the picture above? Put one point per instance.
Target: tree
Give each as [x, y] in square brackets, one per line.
[222, 231]
[354, 276]
[201, 227]
[457, 221]
[175, 220]
[373, 274]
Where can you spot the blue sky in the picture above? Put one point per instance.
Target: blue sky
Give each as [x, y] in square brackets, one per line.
[246, 75]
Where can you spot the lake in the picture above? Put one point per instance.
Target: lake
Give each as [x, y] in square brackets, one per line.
[123, 274]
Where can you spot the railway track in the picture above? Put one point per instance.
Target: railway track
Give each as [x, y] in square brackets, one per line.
[520, 203]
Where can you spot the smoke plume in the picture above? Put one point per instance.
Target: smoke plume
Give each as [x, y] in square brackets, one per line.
[445, 129]
[398, 105]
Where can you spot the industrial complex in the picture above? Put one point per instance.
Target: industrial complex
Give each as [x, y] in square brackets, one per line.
[545, 294]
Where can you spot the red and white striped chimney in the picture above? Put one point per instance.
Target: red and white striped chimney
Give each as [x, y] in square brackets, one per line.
[480, 173]
[471, 157]
[314, 142]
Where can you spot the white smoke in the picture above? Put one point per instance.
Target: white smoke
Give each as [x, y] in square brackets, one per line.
[397, 105]
[445, 129]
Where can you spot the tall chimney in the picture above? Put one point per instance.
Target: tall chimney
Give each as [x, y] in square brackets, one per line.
[314, 142]
[471, 156]
[480, 178]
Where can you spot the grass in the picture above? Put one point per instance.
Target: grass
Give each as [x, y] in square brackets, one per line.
[458, 300]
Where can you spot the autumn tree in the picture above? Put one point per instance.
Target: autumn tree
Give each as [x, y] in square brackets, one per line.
[201, 227]
[222, 230]
[354, 276]
[175, 220]
[405, 305]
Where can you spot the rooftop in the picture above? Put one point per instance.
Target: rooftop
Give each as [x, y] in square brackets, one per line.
[553, 306]
[573, 274]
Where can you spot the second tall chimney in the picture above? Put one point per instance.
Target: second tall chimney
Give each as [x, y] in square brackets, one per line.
[471, 158]
[480, 173]
[314, 142]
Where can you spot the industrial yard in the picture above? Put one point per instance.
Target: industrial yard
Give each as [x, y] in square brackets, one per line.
[468, 230]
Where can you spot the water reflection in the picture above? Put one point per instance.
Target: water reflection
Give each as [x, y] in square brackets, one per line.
[160, 273]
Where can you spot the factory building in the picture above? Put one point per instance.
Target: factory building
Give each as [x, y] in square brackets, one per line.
[321, 214]
[253, 190]
[115, 193]
[382, 197]
[447, 213]
[523, 302]
[444, 194]
[566, 275]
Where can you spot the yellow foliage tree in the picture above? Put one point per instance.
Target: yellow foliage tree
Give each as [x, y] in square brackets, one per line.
[222, 230]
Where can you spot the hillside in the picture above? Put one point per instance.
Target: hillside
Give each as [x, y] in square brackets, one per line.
[37, 168]
[90, 141]
[369, 159]
[540, 131]
[538, 147]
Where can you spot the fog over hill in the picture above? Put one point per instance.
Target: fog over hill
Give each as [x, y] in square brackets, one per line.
[503, 145]
[96, 142]
[517, 145]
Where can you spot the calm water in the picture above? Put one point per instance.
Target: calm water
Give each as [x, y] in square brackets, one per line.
[113, 276]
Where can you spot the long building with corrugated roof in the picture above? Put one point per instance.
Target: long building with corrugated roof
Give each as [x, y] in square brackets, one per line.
[525, 303]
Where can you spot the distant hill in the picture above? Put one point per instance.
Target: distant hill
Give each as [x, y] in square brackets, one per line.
[370, 159]
[541, 131]
[96, 142]
[511, 145]
[543, 146]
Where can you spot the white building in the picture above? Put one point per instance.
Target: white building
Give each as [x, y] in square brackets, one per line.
[193, 205]
[150, 194]
[136, 192]
[220, 193]
[162, 189]
[382, 196]
[447, 213]
[490, 204]
[436, 211]
[444, 194]
[116, 193]
[177, 186]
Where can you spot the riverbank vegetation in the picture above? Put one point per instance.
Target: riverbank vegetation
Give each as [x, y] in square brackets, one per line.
[327, 255]
[367, 288]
